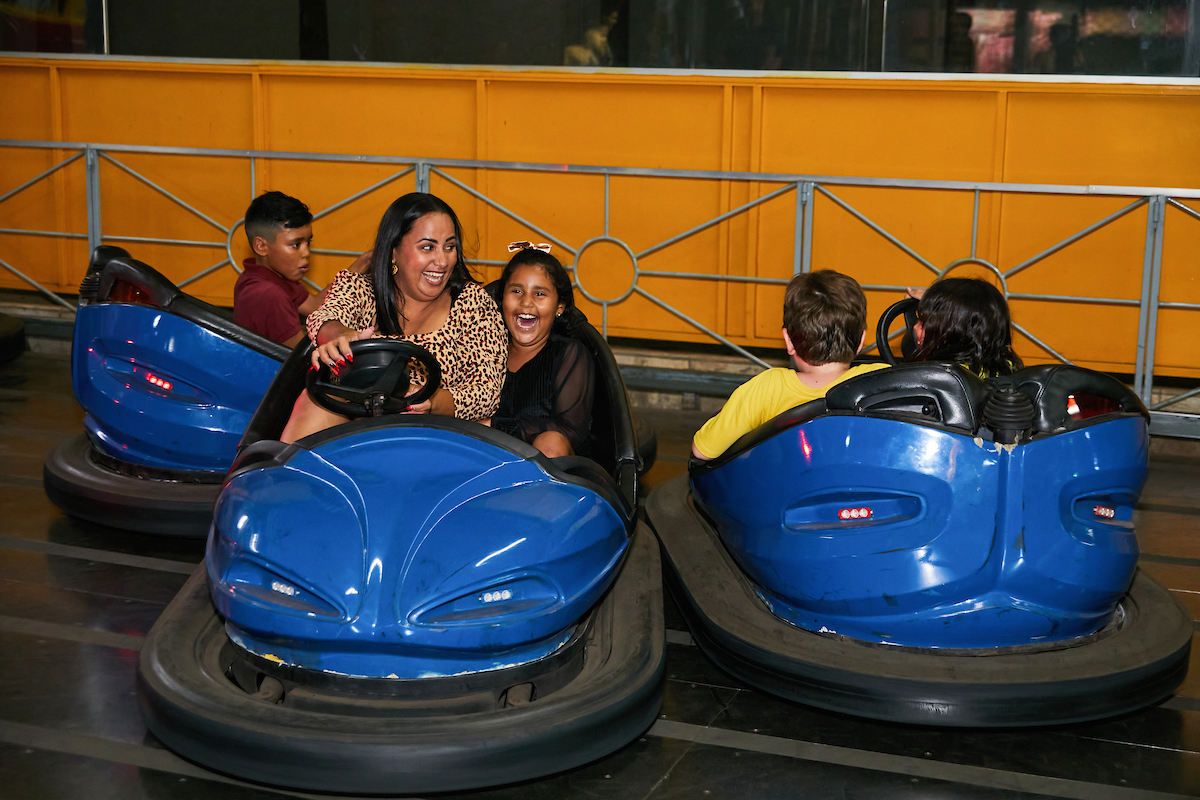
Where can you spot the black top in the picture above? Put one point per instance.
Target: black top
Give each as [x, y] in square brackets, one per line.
[550, 392]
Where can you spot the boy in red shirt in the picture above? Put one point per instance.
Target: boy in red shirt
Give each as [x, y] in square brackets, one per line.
[268, 297]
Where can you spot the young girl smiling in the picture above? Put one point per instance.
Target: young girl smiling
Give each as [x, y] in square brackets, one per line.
[547, 395]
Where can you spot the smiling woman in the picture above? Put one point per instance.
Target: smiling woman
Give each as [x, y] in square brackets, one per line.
[418, 288]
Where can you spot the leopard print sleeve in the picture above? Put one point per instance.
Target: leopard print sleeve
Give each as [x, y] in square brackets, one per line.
[350, 301]
[480, 360]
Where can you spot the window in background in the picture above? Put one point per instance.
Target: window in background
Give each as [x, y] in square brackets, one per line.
[51, 26]
[1049, 37]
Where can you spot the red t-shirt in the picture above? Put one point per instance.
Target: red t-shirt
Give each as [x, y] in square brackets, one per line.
[267, 303]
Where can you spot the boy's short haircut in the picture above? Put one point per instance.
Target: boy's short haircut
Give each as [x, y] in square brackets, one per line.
[272, 212]
[824, 314]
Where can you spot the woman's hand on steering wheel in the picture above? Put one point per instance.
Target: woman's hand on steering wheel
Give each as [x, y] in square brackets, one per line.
[337, 350]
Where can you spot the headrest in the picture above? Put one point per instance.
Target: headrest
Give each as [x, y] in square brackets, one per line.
[119, 266]
[930, 391]
[1050, 385]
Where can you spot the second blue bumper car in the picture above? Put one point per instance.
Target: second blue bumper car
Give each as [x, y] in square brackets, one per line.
[412, 604]
[923, 546]
[168, 384]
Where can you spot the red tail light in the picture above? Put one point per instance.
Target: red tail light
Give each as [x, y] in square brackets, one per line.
[122, 292]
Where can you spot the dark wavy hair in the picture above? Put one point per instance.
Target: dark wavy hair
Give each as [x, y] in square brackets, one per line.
[558, 276]
[397, 221]
[966, 322]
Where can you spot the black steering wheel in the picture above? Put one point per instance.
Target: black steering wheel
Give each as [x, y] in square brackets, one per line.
[375, 381]
[907, 307]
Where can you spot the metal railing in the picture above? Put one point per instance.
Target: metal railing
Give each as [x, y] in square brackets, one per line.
[803, 188]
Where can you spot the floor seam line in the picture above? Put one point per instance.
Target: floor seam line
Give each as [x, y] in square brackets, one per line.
[904, 765]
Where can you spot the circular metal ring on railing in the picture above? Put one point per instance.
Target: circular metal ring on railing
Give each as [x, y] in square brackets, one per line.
[632, 258]
[981, 262]
[229, 246]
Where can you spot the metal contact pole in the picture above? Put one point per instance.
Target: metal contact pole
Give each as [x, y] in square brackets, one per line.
[104, 17]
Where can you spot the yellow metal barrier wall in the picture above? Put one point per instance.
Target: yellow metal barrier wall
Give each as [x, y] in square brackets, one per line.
[1099, 133]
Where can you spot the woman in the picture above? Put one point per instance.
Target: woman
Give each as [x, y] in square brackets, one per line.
[547, 395]
[965, 320]
[418, 287]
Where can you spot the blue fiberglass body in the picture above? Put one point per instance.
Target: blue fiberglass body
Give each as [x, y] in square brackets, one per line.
[162, 391]
[967, 544]
[336, 560]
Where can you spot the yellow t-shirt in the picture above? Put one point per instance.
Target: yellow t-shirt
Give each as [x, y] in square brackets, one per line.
[763, 397]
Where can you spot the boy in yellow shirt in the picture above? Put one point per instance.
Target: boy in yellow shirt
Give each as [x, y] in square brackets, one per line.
[824, 326]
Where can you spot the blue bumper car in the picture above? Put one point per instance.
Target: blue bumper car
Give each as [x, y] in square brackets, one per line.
[411, 604]
[925, 547]
[168, 384]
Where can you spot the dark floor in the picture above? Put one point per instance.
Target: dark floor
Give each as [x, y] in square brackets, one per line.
[78, 598]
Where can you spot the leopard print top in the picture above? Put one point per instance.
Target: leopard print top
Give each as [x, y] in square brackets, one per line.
[471, 348]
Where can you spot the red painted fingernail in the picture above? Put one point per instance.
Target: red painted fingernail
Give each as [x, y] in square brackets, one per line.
[313, 368]
[341, 362]
[350, 358]
[408, 408]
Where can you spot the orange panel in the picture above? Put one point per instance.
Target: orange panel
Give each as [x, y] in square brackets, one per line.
[895, 132]
[172, 108]
[606, 123]
[1089, 137]
[25, 96]
[385, 112]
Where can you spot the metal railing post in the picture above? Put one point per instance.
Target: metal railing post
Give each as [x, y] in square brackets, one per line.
[422, 177]
[92, 178]
[806, 197]
[1141, 384]
[1159, 204]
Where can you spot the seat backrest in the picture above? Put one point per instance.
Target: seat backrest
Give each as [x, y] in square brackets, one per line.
[115, 275]
[935, 393]
[1056, 388]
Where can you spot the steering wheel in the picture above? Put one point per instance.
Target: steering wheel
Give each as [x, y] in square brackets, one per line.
[907, 307]
[375, 381]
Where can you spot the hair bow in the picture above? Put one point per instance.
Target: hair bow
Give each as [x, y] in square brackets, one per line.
[515, 246]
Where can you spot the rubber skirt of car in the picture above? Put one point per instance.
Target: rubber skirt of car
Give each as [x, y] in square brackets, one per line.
[380, 747]
[83, 488]
[1131, 664]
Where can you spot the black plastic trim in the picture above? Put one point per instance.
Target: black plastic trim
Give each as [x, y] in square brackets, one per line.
[112, 264]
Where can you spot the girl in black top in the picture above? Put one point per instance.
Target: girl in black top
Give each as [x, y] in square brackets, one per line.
[547, 395]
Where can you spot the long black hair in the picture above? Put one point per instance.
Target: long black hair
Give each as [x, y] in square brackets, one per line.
[558, 276]
[966, 321]
[397, 221]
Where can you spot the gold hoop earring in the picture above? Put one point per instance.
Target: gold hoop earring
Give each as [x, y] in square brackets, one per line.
[395, 269]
